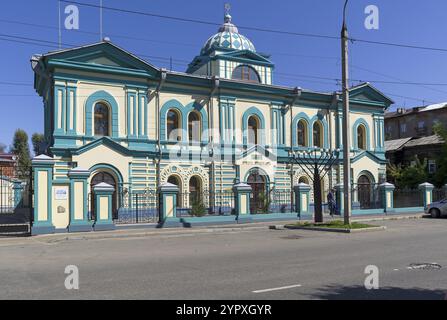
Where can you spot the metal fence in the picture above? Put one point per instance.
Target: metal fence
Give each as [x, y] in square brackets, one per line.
[138, 207]
[205, 203]
[439, 194]
[366, 196]
[6, 195]
[407, 198]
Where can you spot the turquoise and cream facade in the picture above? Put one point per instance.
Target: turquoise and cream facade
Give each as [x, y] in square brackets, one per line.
[109, 112]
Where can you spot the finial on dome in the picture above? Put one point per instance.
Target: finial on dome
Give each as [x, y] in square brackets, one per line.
[227, 18]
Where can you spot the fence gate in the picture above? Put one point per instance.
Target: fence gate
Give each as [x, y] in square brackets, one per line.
[16, 205]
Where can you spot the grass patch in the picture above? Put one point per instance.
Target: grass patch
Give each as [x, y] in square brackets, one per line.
[336, 224]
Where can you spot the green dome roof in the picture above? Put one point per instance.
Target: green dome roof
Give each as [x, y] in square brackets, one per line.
[228, 38]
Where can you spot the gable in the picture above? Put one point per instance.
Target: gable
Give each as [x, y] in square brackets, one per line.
[103, 54]
[366, 92]
[245, 56]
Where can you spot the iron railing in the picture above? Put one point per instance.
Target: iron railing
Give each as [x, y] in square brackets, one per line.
[406, 198]
[439, 194]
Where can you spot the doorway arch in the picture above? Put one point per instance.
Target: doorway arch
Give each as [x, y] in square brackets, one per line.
[258, 182]
[175, 180]
[364, 191]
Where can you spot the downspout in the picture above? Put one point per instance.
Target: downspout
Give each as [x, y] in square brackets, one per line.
[215, 87]
[296, 95]
[163, 74]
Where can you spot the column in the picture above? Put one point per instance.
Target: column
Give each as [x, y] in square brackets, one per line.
[167, 202]
[242, 193]
[43, 200]
[427, 193]
[387, 194]
[103, 193]
[302, 199]
[79, 219]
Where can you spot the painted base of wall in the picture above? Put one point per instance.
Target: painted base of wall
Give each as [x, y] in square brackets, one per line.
[80, 227]
[36, 230]
[103, 226]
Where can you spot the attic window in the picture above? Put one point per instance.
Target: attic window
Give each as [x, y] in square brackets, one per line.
[245, 73]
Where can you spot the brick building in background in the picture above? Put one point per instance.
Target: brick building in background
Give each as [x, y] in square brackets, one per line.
[8, 165]
[410, 132]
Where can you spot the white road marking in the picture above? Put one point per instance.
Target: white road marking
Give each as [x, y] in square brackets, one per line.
[279, 288]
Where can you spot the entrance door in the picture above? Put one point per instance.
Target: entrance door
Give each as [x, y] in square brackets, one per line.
[106, 178]
[364, 192]
[258, 200]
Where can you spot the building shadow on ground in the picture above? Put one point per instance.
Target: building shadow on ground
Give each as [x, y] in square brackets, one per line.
[387, 293]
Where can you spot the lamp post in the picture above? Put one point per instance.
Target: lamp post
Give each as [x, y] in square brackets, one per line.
[345, 123]
[316, 163]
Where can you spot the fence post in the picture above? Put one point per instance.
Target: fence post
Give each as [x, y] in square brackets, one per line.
[103, 193]
[79, 220]
[43, 195]
[302, 197]
[18, 192]
[242, 193]
[387, 196]
[427, 192]
[339, 197]
[167, 202]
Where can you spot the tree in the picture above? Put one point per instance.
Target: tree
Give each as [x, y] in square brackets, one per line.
[20, 148]
[441, 163]
[38, 140]
[413, 175]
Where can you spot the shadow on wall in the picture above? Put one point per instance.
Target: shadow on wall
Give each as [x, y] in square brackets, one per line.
[385, 293]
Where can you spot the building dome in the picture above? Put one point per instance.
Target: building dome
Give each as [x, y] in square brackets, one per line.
[228, 38]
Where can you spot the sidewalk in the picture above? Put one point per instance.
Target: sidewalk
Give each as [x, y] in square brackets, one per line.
[141, 231]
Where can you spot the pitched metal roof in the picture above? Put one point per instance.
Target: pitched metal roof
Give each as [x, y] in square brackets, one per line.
[393, 145]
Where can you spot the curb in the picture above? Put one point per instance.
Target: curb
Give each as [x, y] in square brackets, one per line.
[339, 230]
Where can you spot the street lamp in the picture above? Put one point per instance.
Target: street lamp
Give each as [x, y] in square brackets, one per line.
[316, 163]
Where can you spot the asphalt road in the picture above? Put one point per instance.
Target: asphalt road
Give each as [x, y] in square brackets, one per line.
[247, 264]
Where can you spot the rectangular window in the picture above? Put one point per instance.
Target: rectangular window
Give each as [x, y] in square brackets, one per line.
[403, 128]
[421, 124]
[431, 166]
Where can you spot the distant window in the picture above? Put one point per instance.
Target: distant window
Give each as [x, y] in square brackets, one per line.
[302, 133]
[421, 124]
[253, 127]
[403, 128]
[318, 134]
[194, 126]
[102, 127]
[245, 73]
[361, 137]
[173, 125]
[432, 166]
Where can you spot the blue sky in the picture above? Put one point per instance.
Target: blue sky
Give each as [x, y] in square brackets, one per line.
[299, 60]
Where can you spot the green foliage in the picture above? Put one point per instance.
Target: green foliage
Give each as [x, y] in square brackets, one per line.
[198, 208]
[20, 148]
[409, 176]
[440, 177]
[37, 140]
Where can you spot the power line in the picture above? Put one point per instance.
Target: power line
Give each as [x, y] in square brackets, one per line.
[203, 22]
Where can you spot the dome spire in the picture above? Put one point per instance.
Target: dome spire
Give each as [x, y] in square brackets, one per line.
[227, 16]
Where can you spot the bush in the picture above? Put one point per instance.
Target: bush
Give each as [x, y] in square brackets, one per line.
[198, 208]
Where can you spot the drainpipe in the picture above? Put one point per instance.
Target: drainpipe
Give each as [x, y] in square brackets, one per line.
[163, 74]
[296, 95]
[215, 86]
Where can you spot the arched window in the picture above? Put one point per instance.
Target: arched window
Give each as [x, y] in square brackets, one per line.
[302, 133]
[101, 117]
[253, 129]
[194, 126]
[195, 190]
[318, 134]
[361, 137]
[245, 73]
[173, 125]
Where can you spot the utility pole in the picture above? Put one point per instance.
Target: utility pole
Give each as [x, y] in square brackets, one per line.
[346, 126]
